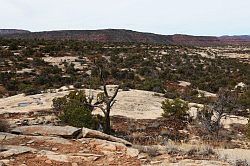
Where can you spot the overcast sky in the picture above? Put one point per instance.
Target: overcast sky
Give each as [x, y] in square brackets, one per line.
[195, 17]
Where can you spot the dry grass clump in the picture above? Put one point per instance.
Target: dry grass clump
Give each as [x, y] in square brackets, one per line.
[203, 151]
[172, 148]
[241, 163]
[152, 151]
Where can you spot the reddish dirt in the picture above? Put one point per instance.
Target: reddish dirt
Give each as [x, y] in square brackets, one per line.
[149, 131]
[31, 159]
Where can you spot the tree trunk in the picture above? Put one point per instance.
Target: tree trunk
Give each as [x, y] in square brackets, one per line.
[107, 128]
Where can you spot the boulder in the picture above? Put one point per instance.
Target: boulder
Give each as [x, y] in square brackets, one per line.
[63, 131]
[88, 133]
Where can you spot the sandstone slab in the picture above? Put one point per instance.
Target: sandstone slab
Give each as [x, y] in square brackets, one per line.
[63, 131]
[11, 150]
[88, 133]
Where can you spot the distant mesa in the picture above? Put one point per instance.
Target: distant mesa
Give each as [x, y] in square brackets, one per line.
[127, 36]
[13, 31]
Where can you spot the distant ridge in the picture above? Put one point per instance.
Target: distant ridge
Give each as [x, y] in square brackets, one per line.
[127, 36]
[12, 31]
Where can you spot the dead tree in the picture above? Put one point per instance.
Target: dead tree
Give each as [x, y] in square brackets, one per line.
[105, 101]
[213, 113]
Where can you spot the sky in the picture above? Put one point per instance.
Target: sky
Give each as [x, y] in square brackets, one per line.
[193, 17]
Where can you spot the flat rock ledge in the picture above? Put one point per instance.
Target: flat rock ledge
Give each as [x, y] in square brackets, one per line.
[10, 150]
[66, 132]
[88, 133]
[63, 131]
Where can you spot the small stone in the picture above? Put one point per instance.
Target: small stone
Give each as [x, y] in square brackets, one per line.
[48, 162]
[132, 152]
[142, 156]
[74, 164]
[179, 157]
[6, 115]
[92, 158]
[84, 151]
[30, 142]
[54, 149]
[155, 162]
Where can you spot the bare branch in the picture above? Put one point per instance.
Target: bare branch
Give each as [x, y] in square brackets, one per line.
[115, 94]
[112, 103]
[103, 82]
[105, 89]
[98, 102]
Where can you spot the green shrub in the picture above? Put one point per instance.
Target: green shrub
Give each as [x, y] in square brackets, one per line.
[78, 85]
[4, 126]
[3, 91]
[244, 99]
[31, 90]
[74, 111]
[77, 115]
[154, 85]
[175, 108]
